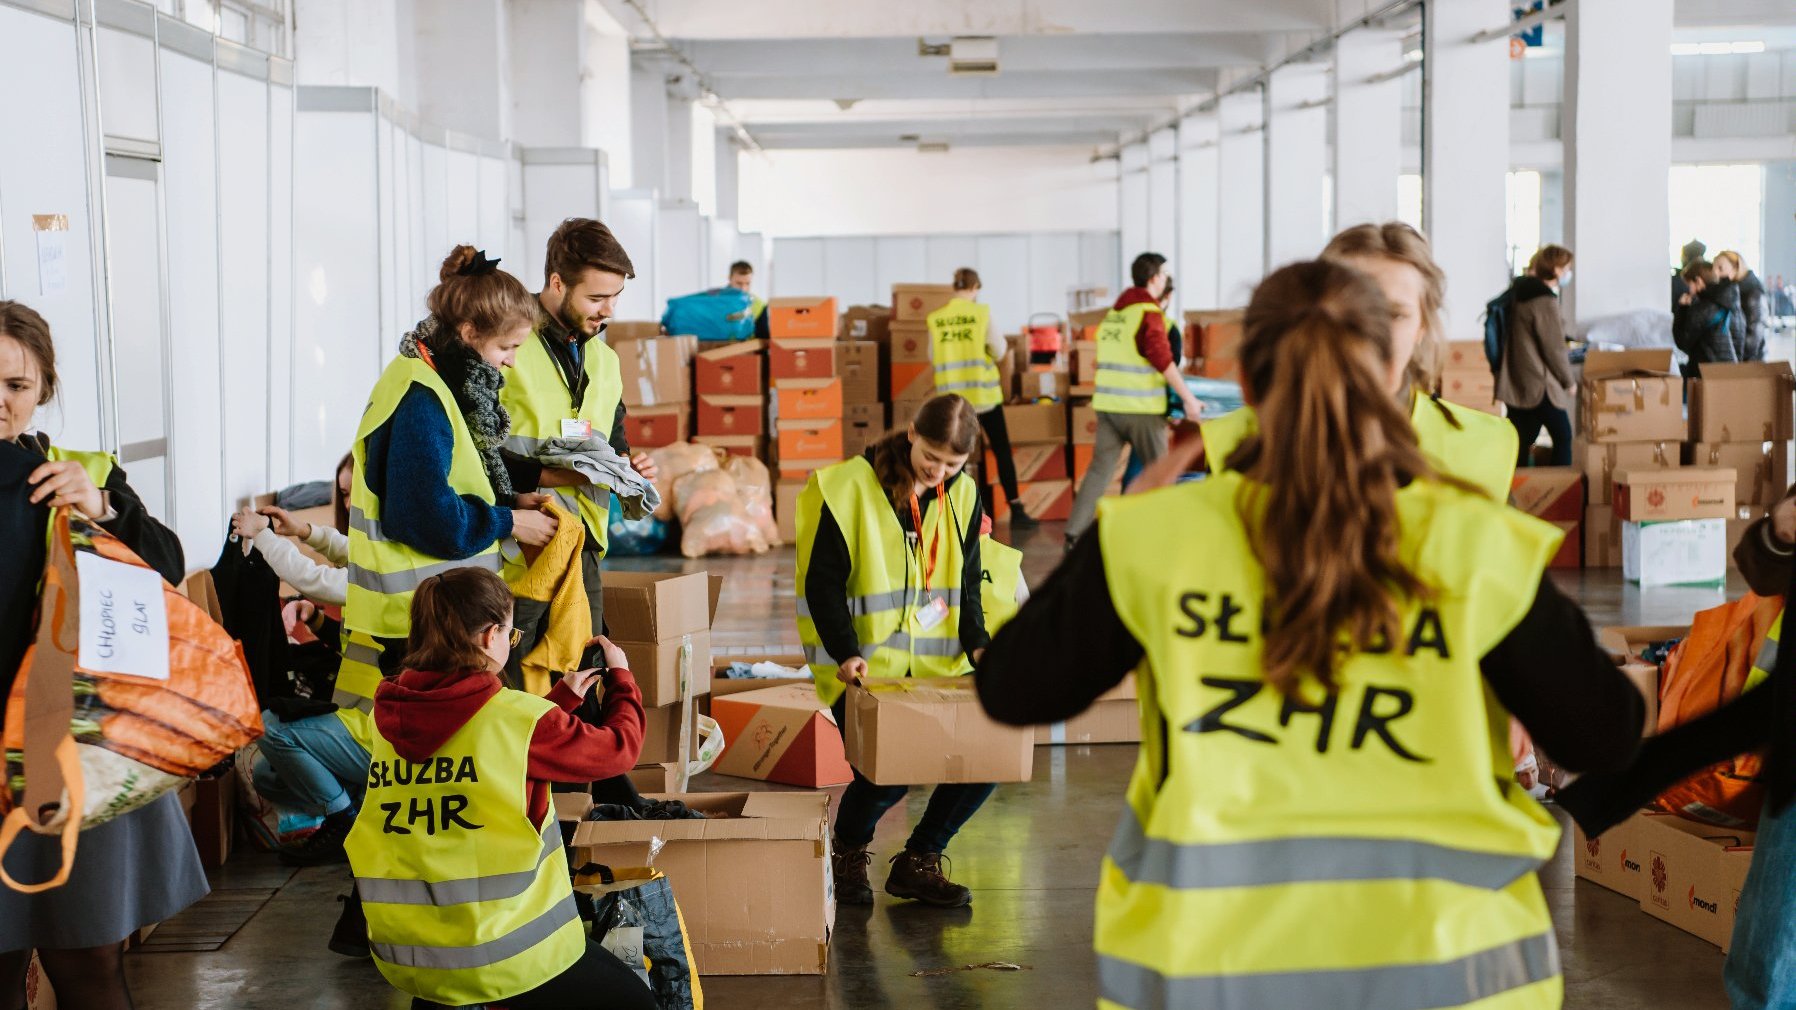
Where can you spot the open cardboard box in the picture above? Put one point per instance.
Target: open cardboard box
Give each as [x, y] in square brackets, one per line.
[1633, 396]
[753, 884]
[1694, 873]
[1742, 402]
[650, 616]
[1624, 644]
[930, 730]
[1616, 859]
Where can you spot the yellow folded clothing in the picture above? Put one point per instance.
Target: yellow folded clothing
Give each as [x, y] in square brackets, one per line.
[554, 578]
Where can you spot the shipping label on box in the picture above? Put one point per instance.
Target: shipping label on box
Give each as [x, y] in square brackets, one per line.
[857, 365]
[732, 415]
[1744, 402]
[730, 370]
[1691, 870]
[654, 427]
[912, 380]
[801, 318]
[1762, 469]
[1682, 552]
[1685, 493]
[801, 359]
[914, 302]
[808, 399]
[910, 343]
[659, 666]
[1553, 493]
[867, 322]
[781, 734]
[1602, 460]
[1616, 859]
[1632, 396]
[656, 371]
[753, 877]
[928, 730]
[1036, 422]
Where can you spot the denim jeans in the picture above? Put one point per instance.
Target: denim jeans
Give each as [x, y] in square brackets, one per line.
[1761, 966]
[864, 803]
[311, 765]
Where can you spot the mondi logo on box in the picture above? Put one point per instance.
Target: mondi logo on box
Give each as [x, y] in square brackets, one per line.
[1698, 904]
[1629, 865]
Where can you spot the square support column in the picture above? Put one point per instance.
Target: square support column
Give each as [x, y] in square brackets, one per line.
[1368, 148]
[1296, 161]
[1241, 228]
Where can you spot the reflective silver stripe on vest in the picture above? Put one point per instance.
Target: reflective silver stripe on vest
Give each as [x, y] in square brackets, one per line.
[369, 527]
[360, 652]
[1159, 392]
[949, 387]
[525, 446]
[481, 954]
[1130, 369]
[1466, 980]
[498, 887]
[1197, 866]
[868, 604]
[350, 700]
[393, 583]
[1767, 660]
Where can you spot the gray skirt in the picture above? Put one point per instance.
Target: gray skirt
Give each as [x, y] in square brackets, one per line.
[129, 872]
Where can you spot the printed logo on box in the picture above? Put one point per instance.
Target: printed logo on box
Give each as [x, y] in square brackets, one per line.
[1698, 904]
[1660, 878]
[1629, 865]
[1655, 498]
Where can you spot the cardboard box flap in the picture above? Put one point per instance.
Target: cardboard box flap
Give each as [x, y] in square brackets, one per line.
[733, 350]
[570, 806]
[1615, 364]
[760, 816]
[655, 606]
[1681, 475]
[714, 589]
[1717, 371]
[732, 400]
[1628, 640]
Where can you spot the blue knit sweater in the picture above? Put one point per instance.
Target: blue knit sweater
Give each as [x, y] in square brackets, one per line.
[418, 508]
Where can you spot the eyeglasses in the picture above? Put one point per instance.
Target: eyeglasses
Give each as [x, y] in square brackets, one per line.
[517, 635]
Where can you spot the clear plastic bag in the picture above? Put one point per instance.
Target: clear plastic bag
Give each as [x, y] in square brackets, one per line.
[754, 488]
[676, 461]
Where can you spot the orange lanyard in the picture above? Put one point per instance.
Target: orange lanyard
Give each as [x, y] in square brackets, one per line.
[916, 518]
[425, 356]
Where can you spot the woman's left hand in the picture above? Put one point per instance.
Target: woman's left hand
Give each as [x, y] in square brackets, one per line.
[64, 482]
[644, 464]
[246, 523]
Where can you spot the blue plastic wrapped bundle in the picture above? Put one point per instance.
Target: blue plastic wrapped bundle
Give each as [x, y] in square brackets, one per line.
[635, 537]
[718, 314]
[1216, 396]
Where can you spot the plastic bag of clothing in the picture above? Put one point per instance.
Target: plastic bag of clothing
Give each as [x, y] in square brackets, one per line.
[676, 461]
[754, 485]
[641, 898]
[717, 314]
[713, 517]
[635, 537]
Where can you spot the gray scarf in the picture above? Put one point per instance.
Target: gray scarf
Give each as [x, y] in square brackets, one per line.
[475, 386]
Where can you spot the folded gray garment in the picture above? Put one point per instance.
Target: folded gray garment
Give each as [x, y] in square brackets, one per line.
[595, 459]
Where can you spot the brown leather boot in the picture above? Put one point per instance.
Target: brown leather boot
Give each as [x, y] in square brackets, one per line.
[919, 876]
[850, 867]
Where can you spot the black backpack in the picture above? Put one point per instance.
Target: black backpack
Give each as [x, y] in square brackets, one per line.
[1496, 327]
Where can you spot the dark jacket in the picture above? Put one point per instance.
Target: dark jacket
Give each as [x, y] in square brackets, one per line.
[1704, 329]
[1754, 306]
[1536, 366]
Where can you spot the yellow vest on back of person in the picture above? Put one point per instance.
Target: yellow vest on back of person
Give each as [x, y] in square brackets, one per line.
[358, 677]
[467, 900]
[538, 400]
[384, 572]
[1126, 382]
[1362, 849]
[885, 581]
[957, 334]
[998, 583]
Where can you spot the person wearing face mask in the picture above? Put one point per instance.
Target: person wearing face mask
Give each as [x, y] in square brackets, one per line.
[1707, 324]
[1535, 380]
[890, 567]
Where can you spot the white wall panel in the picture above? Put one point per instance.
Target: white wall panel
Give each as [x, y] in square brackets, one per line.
[462, 175]
[494, 226]
[899, 259]
[1101, 260]
[752, 246]
[1132, 222]
[280, 288]
[392, 264]
[851, 271]
[440, 234]
[679, 253]
[1163, 208]
[554, 192]
[944, 254]
[635, 221]
[1053, 268]
[1004, 274]
[243, 201]
[724, 239]
[134, 275]
[797, 267]
[127, 84]
[517, 236]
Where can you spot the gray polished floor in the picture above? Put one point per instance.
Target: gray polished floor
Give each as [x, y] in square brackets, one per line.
[1030, 857]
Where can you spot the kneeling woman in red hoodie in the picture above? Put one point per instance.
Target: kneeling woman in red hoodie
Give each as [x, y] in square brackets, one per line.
[456, 852]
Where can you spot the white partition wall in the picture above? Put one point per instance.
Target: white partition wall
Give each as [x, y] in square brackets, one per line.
[559, 183]
[680, 251]
[635, 220]
[245, 273]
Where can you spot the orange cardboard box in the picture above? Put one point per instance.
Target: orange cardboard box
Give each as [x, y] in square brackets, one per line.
[731, 370]
[912, 380]
[732, 415]
[654, 427]
[801, 317]
[1553, 493]
[802, 359]
[1082, 455]
[1042, 499]
[780, 734]
[1220, 368]
[808, 399]
[810, 440]
[1469, 387]
[1464, 356]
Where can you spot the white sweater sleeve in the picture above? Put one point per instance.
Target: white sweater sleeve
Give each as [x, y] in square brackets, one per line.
[316, 582]
[328, 542]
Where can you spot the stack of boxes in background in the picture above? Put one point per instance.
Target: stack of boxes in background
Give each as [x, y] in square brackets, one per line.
[731, 389]
[663, 624]
[1466, 378]
[807, 394]
[1039, 446]
[657, 389]
[865, 340]
[1213, 343]
[1554, 494]
[1631, 419]
[1740, 418]
[910, 376]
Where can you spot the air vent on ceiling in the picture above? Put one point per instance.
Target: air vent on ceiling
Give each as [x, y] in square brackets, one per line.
[973, 55]
[932, 147]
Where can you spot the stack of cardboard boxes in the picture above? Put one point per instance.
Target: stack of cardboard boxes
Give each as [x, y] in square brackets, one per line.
[1740, 418]
[1556, 495]
[1040, 448]
[1213, 343]
[663, 623]
[807, 394]
[1466, 377]
[657, 390]
[910, 376]
[1631, 419]
[731, 389]
[863, 344]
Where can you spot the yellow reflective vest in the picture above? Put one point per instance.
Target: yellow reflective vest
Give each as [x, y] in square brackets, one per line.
[1373, 841]
[886, 589]
[999, 582]
[538, 400]
[1126, 382]
[467, 900]
[1766, 660]
[957, 334]
[1471, 445]
[384, 572]
[358, 677]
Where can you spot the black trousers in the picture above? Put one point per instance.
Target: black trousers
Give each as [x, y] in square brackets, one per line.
[997, 435]
[598, 981]
[1529, 420]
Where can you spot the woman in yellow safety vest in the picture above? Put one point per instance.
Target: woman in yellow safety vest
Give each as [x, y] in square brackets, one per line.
[138, 868]
[456, 852]
[1328, 639]
[966, 352]
[890, 572]
[1463, 442]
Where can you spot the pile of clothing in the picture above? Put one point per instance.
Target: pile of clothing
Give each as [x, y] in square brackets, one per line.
[723, 503]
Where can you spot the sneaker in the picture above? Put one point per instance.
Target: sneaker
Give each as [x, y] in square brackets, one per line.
[919, 876]
[1021, 520]
[323, 846]
[850, 868]
[350, 937]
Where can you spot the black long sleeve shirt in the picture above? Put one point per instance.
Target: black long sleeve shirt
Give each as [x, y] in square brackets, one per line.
[826, 581]
[1067, 646]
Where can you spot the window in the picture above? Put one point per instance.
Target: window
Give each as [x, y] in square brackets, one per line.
[259, 24]
[1723, 206]
[1409, 200]
[1521, 220]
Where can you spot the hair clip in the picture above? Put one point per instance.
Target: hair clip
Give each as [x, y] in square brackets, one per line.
[478, 266]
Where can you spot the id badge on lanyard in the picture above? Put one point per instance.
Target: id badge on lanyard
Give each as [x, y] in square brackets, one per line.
[931, 610]
[576, 427]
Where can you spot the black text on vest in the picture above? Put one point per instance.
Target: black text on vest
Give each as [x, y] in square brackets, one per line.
[418, 810]
[1227, 621]
[1379, 707]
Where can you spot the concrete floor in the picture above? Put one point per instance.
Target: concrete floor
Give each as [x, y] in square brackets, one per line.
[1029, 856]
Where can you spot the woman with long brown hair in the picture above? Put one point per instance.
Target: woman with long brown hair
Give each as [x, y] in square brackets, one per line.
[1328, 638]
[890, 571]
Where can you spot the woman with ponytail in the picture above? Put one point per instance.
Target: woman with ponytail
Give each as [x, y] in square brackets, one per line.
[1328, 646]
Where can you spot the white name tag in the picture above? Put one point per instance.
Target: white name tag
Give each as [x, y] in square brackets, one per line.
[574, 427]
[124, 618]
[933, 611]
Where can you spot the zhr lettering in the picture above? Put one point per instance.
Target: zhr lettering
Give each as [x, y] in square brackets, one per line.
[428, 813]
[1379, 708]
[958, 329]
[435, 813]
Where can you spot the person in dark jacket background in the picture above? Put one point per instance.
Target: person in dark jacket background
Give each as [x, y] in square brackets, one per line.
[1535, 379]
[1693, 250]
[1755, 323]
[1703, 324]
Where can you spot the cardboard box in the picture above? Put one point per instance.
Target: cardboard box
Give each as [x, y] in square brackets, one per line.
[1114, 718]
[808, 399]
[1746, 402]
[661, 735]
[1084, 425]
[644, 329]
[785, 508]
[857, 365]
[657, 606]
[723, 687]
[1693, 874]
[914, 302]
[656, 371]
[1626, 644]
[1616, 859]
[1042, 499]
[904, 411]
[1632, 396]
[801, 359]
[1464, 356]
[1762, 469]
[910, 343]
[862, 425]
[654, 427]
[867, 322]
[1601, 460]
[1681, 552]
[801, 318]
[1602, 537]
[1685, 493]
[1737, 527]
[1472, 388]
[1035, 422]
[1553, 493]
[912, 380]
[1219, 334]
[781, 734]
[1038, 384]
[1083, 454]
[734, 415]
[809, 440]
[655, 778]
[754, 446]
[753, 880]
[657, 665]
[731, 370]
[1034, 462]
[927, 730]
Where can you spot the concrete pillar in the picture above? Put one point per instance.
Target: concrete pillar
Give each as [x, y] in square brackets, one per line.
[1368, 148]
[729, 196]
[1296, 160]
[1199, 255]
[1617, 124]
[648, 124]
[548, 43]
[1241, 218]
[461, 62]
[606, 108]
[1465, 154]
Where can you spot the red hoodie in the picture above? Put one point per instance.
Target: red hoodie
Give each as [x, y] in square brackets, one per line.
[1150, 340]
[417, 712]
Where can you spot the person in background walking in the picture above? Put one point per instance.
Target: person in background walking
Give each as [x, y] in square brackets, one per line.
[1703, 325]
[966, 353]
[742, 278]
[1693, 250]
[1535, 380]
[1755, 321]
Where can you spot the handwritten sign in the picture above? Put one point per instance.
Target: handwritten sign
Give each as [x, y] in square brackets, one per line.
[52, 252]
[124, 618]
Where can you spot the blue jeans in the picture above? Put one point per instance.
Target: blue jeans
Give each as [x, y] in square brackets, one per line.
[1761, 966]
[864, 803]
[311, 765]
